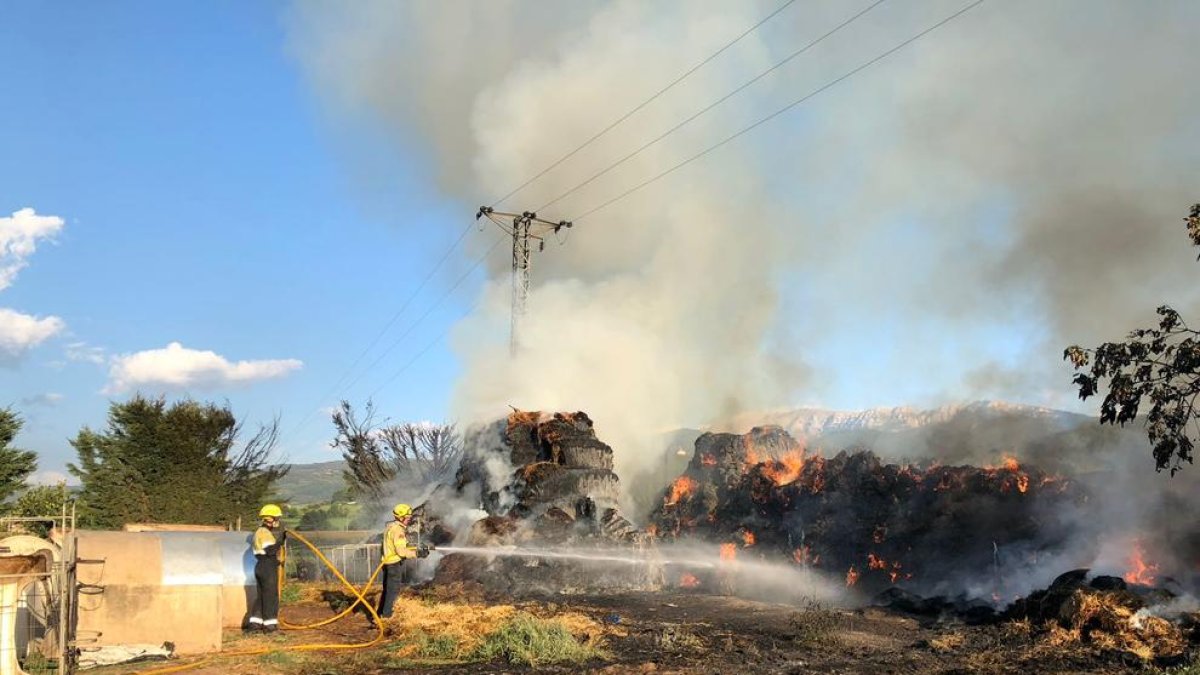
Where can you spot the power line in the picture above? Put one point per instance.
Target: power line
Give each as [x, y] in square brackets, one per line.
[643, 104]
[731, 94]
[411, 326]
[396, 316]
[479, 261]
[438, 338]
[782, 110]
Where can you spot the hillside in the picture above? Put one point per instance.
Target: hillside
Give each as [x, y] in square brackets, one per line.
[311, 483]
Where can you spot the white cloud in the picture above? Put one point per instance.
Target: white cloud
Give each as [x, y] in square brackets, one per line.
[82, 351]
[19, 234]
[177, 367]
[21, 332]
[48, 399]
[51, 478]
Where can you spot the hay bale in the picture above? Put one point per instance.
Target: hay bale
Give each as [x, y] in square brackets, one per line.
[1117, 621]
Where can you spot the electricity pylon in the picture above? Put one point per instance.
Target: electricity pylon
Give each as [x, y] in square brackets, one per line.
[522, 228]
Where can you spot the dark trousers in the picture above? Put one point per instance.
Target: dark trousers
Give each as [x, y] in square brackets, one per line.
[266, 605]
[393, 581]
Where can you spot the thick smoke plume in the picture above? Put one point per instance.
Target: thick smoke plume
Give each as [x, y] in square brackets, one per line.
[938, 226]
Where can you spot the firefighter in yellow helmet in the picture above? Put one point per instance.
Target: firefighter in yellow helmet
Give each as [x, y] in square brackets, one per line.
[395, 551]
[266, 545]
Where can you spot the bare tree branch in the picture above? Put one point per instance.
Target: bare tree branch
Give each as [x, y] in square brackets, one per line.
[367, 470]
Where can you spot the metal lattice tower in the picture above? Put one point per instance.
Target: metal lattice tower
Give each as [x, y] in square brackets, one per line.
[522, 227]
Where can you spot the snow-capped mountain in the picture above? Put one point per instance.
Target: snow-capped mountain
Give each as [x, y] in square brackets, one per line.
[817, 422]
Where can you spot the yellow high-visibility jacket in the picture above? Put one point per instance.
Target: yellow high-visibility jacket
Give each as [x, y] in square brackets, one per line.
[265, 543]
[395, 544]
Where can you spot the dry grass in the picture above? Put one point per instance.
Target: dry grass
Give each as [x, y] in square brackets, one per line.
[947, 643]
[472, 631]
[465, 624]
[1020, 628]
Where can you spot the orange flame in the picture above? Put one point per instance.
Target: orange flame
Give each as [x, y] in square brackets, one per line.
[1140, 571]
[652, 530]
[786, 469]
[688, 580]
[1012, 464]
[707, 460]
[781, 471]
[800, 555]
[683, 486]
[1022, 483]
[876, 563]
[748, 538]
[728, 551]
[851, 576]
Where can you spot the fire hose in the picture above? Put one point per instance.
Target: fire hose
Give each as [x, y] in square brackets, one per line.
[359, 599]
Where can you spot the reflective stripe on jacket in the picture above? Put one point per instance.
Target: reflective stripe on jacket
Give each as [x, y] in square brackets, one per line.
[395, 544]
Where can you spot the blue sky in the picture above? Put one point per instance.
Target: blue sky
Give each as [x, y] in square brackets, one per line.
[204, 203]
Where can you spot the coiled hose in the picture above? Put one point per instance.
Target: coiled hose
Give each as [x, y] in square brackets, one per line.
[359, 599]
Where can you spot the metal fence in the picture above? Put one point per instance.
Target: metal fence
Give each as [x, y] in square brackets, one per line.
[355, 561]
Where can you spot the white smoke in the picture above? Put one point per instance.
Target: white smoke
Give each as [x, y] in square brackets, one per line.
[951, 217]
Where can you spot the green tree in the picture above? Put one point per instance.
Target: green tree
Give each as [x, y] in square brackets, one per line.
[15, 464]
[314, 519]
[180, 463]
[41, 500]
[1160, 365]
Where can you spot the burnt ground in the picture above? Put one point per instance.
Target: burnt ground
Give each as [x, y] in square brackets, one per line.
[696, 633]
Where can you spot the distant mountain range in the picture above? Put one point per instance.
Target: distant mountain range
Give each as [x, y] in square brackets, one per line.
[807, 423]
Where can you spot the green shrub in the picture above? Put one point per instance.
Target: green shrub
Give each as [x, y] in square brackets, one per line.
[290, 593]
[530, 641]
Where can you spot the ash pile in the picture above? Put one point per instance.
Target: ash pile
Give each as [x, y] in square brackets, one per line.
[547, 485]
[954, 530]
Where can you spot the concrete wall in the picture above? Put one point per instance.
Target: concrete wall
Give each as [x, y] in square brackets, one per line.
[178, 587]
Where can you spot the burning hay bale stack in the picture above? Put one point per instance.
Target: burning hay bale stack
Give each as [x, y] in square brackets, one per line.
[932, 528]
[548, 488]
[549, 475]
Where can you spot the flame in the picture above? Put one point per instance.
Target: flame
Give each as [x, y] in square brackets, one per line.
[1140, 571]
[683, 486]
[1022, 483]
[851, 576]
[652, 530]
[786, 469]
[688, 580]
[800, 555]
[876, 563]
[748, 538]
[781, 471]
[728, 551]
[707, 460]
[1011, 464]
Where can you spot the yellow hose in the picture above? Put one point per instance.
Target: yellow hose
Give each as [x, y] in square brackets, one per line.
[360, 598]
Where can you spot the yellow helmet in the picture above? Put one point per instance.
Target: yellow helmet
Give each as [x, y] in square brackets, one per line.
[402, 510]
[270, 511]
